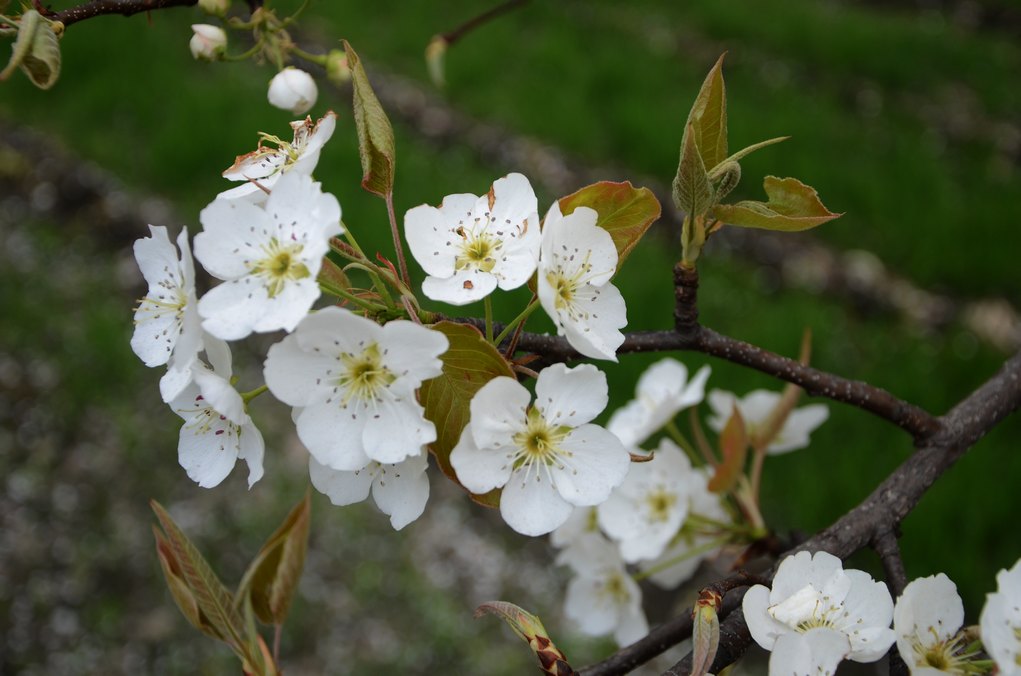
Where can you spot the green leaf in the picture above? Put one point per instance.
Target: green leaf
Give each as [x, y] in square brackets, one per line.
[179, 588]
[744, 152]
[624, 211]
[375, 135]
[792, 206]
[693, 194]
[273, 575]
[707, 120]
[211, 597]
[36, 50]
[469, 363]
[705, 636]
[529, 628]
[332, 276]
[734, 449]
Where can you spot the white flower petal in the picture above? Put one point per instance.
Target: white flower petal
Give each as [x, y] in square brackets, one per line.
[342, 488]
[334, 435]
[396, 429]
[479, 470]
[412, 366]
[430, 237]
[461, 288]
[207, 455]
[571, 396]
[232, 233]
[232, 308]
[816, 652]
[868, 600]
[599, 463]
[298, 377]
[498, 413]
[531, 505]
[401, 491]
[251, 449]
[763, 628]
[588, 607]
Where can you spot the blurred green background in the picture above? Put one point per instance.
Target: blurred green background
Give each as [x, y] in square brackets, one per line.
[906, 119]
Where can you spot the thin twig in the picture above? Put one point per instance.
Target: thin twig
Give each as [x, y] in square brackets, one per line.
[900, 492]
[470, 25]
[89, 10]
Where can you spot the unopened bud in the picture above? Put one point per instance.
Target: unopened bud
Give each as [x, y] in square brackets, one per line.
[215, 7]
[705, 631]
[434, 54]
[294, 90]
[208, 43]
[336, 67]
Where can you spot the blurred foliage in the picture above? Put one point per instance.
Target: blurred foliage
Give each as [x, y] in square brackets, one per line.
[919, 149]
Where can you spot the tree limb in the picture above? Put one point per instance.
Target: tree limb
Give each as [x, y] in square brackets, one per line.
[89, 10]
[899, 493]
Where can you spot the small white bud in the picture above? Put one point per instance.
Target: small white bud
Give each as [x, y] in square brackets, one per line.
[208, 43]
[294, 90]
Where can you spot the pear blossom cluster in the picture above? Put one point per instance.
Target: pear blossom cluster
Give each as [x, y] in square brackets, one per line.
[818, 614]
[351, 382]
[469, 246]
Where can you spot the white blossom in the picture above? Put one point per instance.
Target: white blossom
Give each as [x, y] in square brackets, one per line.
[470, 245]
[645, 512]
[263, 167]
[399, 490]
[269, 257]
[354, 382]
[217, 430]
[662, 392]
[208, 42]
[294, 90]
[755, 408]
[547, 457]
[601, 597]
[1000, 622]
[576, 262]
[818, 614]
[693, 543]
[927, 620]
[167, 325]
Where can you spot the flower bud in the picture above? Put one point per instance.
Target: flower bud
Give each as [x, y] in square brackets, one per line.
[215, 7]
[294, 90]
[336, 67]
[208, 43]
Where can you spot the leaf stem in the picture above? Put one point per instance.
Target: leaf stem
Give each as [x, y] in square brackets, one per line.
[248, 396]
[682, 441]
[398, 247]
[529, 309]
[488, 303]
[377, 283]
[694, 551]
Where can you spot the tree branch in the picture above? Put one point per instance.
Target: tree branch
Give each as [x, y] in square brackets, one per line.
[96, 8]
[896, 496]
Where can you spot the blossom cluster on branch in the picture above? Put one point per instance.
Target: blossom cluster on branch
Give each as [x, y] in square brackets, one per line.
[380, 388]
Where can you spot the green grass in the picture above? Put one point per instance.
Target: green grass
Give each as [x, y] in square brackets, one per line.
[167, 125]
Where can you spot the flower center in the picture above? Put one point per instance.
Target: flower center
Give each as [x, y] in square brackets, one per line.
[807, 609]
[281, 264]
[660, 503]
[616, 588]
[539, 441]
[950, 656]
[567, 281]
[478, 251]
[364, 377]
